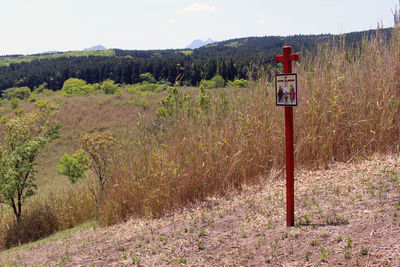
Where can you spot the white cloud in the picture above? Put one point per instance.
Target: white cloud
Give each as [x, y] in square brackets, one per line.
[172, 21]
[28, 5]
[197, 7]
[261, 21]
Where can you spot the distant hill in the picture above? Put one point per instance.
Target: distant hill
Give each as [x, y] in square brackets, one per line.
[95, 48]
[199, 43]
[50, 52]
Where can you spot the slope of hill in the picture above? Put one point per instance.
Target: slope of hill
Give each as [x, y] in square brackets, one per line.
[195, 144]
[5, 61]
[347, 215]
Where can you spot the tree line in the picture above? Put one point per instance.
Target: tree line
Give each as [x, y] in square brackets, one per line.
[123, 70]
[232, 59]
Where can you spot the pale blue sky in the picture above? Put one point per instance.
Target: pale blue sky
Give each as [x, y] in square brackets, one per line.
[33, 26]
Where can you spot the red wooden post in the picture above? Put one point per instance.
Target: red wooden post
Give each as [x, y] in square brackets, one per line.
[287, 59]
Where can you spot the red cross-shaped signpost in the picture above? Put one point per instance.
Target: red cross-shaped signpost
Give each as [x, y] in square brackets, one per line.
[287, 59]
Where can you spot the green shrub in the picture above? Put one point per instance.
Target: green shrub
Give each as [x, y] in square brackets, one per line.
[208, 84]
[40, 88]
[3, 119]
[219, 81]
[42, 103]
[109, 87]
[142, 102]
[162, 81]
[147, 87]
[32, 98]
[47, 92]
[74, 86]
[18, 111]
[17, 92]
[132, 89]
[216, 82]
[240, 83]
[147, 77]
[173, 103]
[13, 103]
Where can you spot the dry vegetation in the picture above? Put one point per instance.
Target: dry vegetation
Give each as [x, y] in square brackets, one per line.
[208, 145]
[349, 106]
[348, 215]
[59, 205]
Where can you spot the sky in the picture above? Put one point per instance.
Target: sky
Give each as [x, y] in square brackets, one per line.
[35, 26]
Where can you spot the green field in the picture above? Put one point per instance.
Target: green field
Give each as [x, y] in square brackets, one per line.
[6, 61]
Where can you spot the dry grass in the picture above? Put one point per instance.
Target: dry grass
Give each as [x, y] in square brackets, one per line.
[59, 205]
[348, 108]
[335, 210]
[80, 114]
[350, 102]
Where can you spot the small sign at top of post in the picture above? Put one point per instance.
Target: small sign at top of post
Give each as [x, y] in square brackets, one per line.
[290, 80]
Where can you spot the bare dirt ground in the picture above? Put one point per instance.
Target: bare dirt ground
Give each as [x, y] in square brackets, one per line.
[346, 215]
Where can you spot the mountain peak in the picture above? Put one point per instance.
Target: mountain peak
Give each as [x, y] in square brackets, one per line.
[199, 43]
[95, 48]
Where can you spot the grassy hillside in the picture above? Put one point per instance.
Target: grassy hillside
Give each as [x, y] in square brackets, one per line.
[346, 215]
[189, 144]
[15, 59]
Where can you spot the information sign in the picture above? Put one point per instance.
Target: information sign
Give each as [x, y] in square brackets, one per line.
[286, 89]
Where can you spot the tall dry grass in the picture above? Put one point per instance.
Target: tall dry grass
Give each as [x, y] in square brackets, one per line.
[350, 102]
[348, 106]
[47, 213]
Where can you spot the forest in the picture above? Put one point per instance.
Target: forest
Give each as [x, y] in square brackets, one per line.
[232, 59]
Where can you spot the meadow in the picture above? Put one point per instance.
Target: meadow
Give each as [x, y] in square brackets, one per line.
[7, 60]
[185, 144]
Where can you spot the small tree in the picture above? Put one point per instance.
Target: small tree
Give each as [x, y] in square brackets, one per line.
[74, 167]
[100, 148]
[24, 136]
[96, 153]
